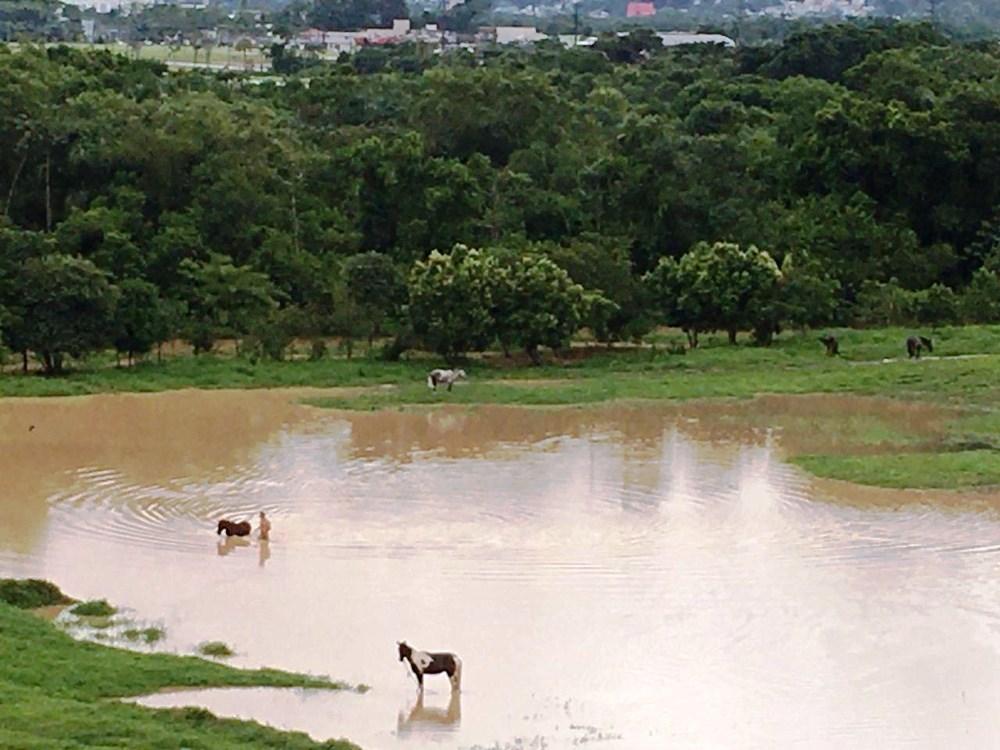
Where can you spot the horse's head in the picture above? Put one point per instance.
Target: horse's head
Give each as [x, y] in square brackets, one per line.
[928, 343]
[404, 650]
[460, 374]
[223, 523]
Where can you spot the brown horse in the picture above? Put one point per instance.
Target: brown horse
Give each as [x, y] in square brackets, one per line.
[423, 663]
[233, 528]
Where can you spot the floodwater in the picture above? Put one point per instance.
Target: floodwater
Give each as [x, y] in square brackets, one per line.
[625, 577]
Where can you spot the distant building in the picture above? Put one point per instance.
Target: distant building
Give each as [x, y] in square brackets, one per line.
[514, 34]
[107, 6]
[640, 10]
[675, 38]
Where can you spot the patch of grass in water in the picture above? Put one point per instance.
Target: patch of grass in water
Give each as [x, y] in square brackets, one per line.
[94, 608]
[148, 635]
[31, 593]
[216, 649]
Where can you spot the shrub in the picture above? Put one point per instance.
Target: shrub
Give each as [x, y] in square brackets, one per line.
[94, 608]
[31, 593]
[218, 649]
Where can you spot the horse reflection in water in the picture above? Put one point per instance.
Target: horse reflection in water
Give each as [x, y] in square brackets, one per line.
[224, 547]
[423, 718]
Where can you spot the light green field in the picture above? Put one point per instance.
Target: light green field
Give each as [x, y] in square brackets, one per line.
[56, 692]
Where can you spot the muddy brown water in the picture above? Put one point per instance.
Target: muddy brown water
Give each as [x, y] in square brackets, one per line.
[629, 576]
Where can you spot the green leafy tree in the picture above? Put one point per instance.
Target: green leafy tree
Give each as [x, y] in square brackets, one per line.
[375, 289]
[451, 300]
[720, 286]
[546, 308]
[936, 305]
[885, 304]
[142, 319]
[223, 299]
[980, 302]
[808, 295]
[67, 308]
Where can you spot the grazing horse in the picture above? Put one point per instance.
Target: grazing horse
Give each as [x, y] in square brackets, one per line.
[830, 342]
[233, 528]
[443, 377]
[914, 345]
[423, 663]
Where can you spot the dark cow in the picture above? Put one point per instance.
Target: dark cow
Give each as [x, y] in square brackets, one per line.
[830, 342]
[914, 345]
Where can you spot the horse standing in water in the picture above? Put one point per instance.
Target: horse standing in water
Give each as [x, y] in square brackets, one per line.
[914, 344]
[443, 377]
[423, 663]
[232, 528]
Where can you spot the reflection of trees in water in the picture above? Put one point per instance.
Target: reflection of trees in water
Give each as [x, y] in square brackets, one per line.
[473, 432]
[421, 717]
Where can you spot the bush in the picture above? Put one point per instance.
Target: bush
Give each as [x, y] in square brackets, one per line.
[937, 304]
[218, 649]
[31, 593]
[94, 608]
[886, 304]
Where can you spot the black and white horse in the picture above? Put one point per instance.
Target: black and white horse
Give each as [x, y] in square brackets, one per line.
[914, 344]
[422, 662]
[443, 377]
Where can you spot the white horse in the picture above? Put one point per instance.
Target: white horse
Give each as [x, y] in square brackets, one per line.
[443, 377]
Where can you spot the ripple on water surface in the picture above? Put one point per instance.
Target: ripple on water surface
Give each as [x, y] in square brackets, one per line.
[628, 577]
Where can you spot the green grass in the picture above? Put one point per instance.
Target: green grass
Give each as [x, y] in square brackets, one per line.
[906, 470]
[31, 593]
[963, 372]
[94, 608]
[217, 649]
[54, 693]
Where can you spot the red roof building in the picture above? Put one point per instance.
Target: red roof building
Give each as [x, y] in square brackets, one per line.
[638, 10]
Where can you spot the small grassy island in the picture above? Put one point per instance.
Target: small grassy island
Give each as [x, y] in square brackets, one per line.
[56, 692]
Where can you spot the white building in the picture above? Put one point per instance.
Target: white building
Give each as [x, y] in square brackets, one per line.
[108, 6]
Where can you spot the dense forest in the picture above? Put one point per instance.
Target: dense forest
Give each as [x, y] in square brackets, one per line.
[850, 175]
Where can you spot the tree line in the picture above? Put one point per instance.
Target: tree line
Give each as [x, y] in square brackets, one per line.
[848, 175]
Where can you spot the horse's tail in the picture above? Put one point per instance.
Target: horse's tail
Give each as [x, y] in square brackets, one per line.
[456, 678]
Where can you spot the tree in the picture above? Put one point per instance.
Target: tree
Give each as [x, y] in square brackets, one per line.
[602, 265]
[376, 290]
[67, 308]
[545, 307]
[451, 300]
[808, 294]
[719, 286]
[980, 302]
[223, 299]
[142, 320]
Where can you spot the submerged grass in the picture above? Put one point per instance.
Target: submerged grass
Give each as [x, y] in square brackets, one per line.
[148, 635]
[54, 691]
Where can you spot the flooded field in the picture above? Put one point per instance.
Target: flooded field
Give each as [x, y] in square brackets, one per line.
[624, 577]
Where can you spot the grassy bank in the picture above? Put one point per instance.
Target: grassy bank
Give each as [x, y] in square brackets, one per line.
[963, 372]
[55, 691]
